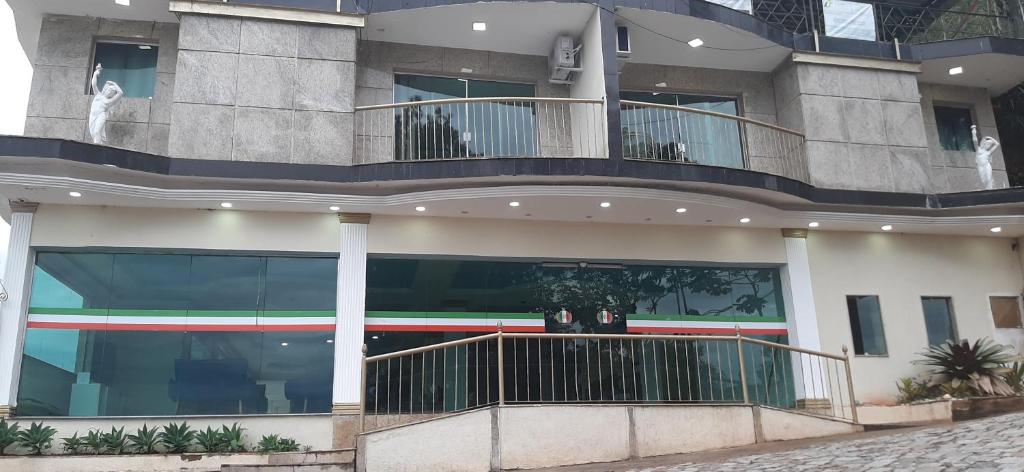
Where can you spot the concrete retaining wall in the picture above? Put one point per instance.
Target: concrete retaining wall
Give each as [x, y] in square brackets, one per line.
[931, 412]
[780, 425]
[661, 430]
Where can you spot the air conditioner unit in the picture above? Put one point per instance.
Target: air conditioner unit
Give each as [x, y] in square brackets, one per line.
[562, 61]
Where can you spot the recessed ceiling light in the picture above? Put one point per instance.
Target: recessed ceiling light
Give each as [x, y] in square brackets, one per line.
[75, 194]
[680, 210]
[956, 70]
[479, 26]
[334, 208]
[124, 3]
[744, 220]
[375, 337]
[813, 224]
[284, 344]
[421, 208]
[887, 228]
[226, 205]
[466, 70]
[605, 204]
[996, 229]
[513, 204]
[696, 42]
[330, 341]
[145, 47]
[661, 85]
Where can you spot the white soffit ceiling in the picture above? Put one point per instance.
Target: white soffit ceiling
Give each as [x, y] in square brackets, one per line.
[995, 72]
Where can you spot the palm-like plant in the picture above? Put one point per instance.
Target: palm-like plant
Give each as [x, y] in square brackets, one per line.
[177, 438]
[115, 441]
[210, 440]
[144, 440]
[37, 438]
[980, 366]
[8, 434]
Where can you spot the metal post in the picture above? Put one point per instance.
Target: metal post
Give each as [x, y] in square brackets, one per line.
[849, 384]
[362, 391]
[501, 366]
[743, 364]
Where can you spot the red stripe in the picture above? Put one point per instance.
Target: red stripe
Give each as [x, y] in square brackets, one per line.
[454, 328]
[177, 327]
[681, 330]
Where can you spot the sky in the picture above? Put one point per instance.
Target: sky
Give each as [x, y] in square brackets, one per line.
[15, 81]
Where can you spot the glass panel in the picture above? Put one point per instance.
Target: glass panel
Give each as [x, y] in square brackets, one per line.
[661, 134]
[954, 126]
[131, 66]
[938, 319]
[866, 324]
[1006, 312]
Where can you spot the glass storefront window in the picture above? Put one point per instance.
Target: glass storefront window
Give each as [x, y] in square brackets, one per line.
[163, 334]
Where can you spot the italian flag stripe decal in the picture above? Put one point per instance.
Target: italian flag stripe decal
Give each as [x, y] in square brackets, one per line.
[179, 320]
[688, 324]
[480, 322]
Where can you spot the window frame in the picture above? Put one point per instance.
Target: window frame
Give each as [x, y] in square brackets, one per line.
[881, 319]
[96, 40]
[962, 106]
[952, 315]
[1020, 308]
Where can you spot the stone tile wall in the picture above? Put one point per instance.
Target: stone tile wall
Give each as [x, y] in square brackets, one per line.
[60, 97]
[264, 91]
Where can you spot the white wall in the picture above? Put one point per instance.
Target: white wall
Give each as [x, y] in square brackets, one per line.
[590, 84]
[900, 269]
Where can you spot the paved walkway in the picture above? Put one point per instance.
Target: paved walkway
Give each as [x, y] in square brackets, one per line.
[992, 444]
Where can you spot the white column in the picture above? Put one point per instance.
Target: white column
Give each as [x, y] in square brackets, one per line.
[17, 279]
[802, 317]
[351, 307]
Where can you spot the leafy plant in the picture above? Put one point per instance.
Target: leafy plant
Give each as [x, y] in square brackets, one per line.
[1015, 377]
[232, 438]
[955, 389]
[979, 365]
[8, 435]
[275, 443]
[94, 441]
[115, 441]
[912, 390]
[144, 441]
[74, 444]
[37, 438]
[210, 440]
[177, 438]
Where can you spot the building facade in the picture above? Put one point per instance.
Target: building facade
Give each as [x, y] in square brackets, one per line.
[286, 181]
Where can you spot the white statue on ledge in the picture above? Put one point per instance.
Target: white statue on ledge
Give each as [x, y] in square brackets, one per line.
[103, 101]
[983, 157]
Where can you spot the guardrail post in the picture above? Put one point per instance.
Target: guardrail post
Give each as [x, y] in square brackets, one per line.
[501, 366]
[362, 391]
[849, 384]
[743, 364]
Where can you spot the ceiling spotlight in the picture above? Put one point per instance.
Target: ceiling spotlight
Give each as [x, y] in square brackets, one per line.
[513, 204]
[226, 205]
[605, 204]
[887, 228]
[330, 341]
[479, 26]
[956, 70]
[284, 344]
[661, 85]
[145, 47]
[680, 210]
[996, 229]
[744, 220]
[813, 224]
[124, 3]
[421, 209]
[75, 194]
[696, 42]
[466, 70]
[334, 208]
[375, 337]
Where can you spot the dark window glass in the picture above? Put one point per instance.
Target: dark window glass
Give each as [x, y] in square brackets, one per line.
[150, 282]
[131, 66]
[660, 134]
[938, 319]
[1006, 312]
[866, 324]
[954, 126]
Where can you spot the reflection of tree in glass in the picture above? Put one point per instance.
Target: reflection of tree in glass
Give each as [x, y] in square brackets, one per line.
[426, 132]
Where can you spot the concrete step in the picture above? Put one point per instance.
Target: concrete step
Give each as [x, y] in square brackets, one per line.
[323, 467]
[335, 456]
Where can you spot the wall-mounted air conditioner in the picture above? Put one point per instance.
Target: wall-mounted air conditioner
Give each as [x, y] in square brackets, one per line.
[563, 61]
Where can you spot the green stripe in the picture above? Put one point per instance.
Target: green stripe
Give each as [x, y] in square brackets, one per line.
[68, 311]
[182, 313]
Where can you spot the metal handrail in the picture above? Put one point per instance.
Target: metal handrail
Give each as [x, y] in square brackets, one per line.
[784, 375]
[449, 101]
[741, 119]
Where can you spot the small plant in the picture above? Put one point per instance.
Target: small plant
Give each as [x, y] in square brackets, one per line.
[288, 445]
[232, 438]
[8, 435]
[1015, 377]
[37, 438]
[94, 442]
[955, 389]
[177, 438]
[210, 440]
[74, 444]
[144, 441]
[912, 390]
[981, 366]
[115, 441]
[275, 443]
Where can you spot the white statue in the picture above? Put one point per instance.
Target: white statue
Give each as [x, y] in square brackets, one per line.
[983, 157]
[101, 104]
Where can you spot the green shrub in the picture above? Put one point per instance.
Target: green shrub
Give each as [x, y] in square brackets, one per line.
[8, 435]
[210, 440]
[144, 441]
[1015, 377]
[93, 442]
[232, 437]
[177, 438]
[275, 443]
[115, 441]
[980, 366]
[74, 444]
[912, 390]
[37, 438]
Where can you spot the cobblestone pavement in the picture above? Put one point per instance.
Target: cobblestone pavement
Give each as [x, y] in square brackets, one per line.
[992, 444]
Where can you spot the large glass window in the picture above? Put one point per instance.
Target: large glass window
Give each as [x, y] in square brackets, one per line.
[866, 325]
[938, 319]
[954, 124]
[166, 334]
[661, 134]
[131, 66]
[499, 128]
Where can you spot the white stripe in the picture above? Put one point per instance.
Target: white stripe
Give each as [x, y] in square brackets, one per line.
[299, 320]
[396, 321]
[704, 324]
[83, 319]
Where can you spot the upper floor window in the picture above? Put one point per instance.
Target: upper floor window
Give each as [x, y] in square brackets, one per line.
[500, 128]
[679, 135]
[954, 124]
[866, 325]
[938, 319]
[1006, 311]
[131, 65]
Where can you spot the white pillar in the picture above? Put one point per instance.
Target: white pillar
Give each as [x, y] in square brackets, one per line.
[802, 317]
[351, 308]
[17, 278]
